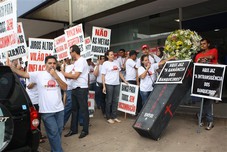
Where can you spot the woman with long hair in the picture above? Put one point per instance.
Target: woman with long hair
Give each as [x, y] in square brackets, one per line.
[111, 86]
[146, 73]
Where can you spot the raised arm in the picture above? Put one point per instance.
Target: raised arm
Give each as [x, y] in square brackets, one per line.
[19, 72]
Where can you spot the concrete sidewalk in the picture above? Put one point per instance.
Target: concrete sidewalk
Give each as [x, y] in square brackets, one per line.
[180, 135]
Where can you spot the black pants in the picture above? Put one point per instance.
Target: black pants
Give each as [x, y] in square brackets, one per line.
[79, 102]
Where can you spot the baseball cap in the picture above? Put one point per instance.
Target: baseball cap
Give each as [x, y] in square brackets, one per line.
[145, 46]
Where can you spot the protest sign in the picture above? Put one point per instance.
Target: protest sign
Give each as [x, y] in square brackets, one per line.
[61, 47]
[8, 25]
[38, 50]
[208, 80]
[75, 36]
[100, 40]
[91, 103]
[21, 49]
[87, 53]
[3, 57]
[173, 72]
[128, 98]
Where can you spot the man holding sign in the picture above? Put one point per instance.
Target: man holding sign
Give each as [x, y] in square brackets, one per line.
[208, 56]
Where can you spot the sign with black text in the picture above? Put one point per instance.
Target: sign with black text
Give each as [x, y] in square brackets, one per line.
[128, 98]
[208, 80]
[173, 72]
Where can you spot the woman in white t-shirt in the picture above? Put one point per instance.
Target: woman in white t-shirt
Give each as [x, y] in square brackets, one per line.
[111, 86]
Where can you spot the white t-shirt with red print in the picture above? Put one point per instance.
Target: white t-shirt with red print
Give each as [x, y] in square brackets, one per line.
[49, 91]
[130, 70]
[81, 66]
[111, 71]
[146, 83]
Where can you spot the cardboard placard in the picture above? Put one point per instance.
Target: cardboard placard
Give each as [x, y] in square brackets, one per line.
[75, 36]
[8, 28]
[61, 47]
[100, 40]
[128, 98]
[173, 72]
[21, 49]
[38, 50]
[208, 80]
[87, 53]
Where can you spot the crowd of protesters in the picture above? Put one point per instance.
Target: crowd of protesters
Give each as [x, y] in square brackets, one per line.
[62, 89]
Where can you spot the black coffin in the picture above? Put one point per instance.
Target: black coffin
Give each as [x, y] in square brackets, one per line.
[161, 106]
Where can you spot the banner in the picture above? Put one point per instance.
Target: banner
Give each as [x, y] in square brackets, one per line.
[75, 36]
[91, 103]
[173, 72]
[38, 50]
[128, 98]
[21, 49]
[61, 47]
[208, 80]
[100, 40]
[87, 53]
[8, 28]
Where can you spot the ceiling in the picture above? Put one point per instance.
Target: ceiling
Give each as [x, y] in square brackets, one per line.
[56, 15]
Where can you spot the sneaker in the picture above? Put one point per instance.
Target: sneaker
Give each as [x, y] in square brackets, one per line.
[110, 121]
[210, 125]
[117, 120]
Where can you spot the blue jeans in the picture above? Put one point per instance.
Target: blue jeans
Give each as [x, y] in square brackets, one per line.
[112, 96]
[144, 96]
[208, 109]
[53, 123]
[68, 106]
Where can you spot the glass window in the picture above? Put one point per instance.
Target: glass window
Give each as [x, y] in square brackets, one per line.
[151, 30]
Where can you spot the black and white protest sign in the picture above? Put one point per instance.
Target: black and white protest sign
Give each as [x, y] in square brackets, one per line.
[208, 80]
[173, 72]
[100, 40]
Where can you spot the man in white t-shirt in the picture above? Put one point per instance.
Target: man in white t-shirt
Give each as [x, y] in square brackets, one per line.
[131, 70]
[152, 57]
[49, 84]
[79, 92]
[121, 60]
